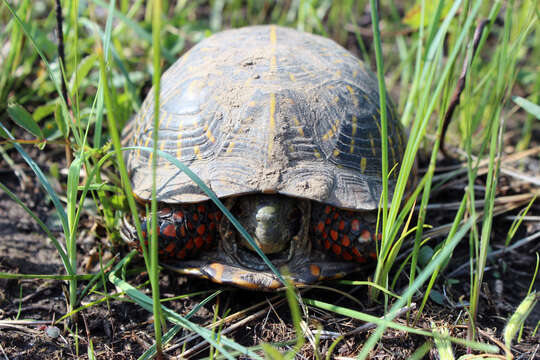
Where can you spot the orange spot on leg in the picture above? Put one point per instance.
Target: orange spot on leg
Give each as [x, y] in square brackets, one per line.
[199, 242]
[170, 249]
[201, 229]
[366, 236]
[169, 231]
[315, 270]
[355, 225]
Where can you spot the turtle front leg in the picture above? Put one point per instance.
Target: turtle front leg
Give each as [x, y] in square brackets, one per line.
[183, 230]
[348, 234]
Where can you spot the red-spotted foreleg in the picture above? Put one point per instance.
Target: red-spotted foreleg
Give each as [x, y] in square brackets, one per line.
[184, 230]
[348, 234]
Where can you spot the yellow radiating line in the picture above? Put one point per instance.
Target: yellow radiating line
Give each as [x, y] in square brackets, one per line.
[210, 136]
[169, 117]
[354, 125]
[297, 123]
[372, 144]
[197, 151]
[317, 153]
[273, 63]
[328, 135]
[272, 122]
[148, 138]
[336, 124]
[291, 76]
[273, 37]
[230, 147]
[179, 142]
[354, 73]
[352, 146]
[332, 131]
[273, 41]
[363, 164]
[162, 148]
[354, 98]
[336, 153]
[377, 123]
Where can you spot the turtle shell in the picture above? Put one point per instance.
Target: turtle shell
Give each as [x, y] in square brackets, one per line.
[266, 109]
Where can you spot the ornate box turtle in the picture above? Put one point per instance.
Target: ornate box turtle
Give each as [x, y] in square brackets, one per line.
[283, 126]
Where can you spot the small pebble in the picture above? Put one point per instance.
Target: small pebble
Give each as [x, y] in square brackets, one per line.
[52, 332]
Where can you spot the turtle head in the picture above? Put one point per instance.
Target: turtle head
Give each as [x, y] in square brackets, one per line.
[271, 220]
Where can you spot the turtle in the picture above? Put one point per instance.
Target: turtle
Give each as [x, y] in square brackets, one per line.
[284, 127]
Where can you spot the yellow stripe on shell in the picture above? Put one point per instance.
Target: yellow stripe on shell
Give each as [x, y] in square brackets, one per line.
[230, 147]
[273, 36]
[169, 117]
[317, 153]
[332, 131]
[291, 76]
[210, 136]
[273, 41]
[197, 151]
[353, 95]
[329, 134]
[273, 63]
[363, 163]
[179, 142]
[297, 123]
[272, 123]
[372, 142]
[162, 148]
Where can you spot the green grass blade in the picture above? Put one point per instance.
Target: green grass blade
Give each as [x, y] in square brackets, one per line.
[528, 106]
[153, 271]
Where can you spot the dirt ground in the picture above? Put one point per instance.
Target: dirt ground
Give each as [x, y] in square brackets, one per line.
[122, 330]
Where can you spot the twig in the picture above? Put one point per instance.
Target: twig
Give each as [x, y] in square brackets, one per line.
[461, 85]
